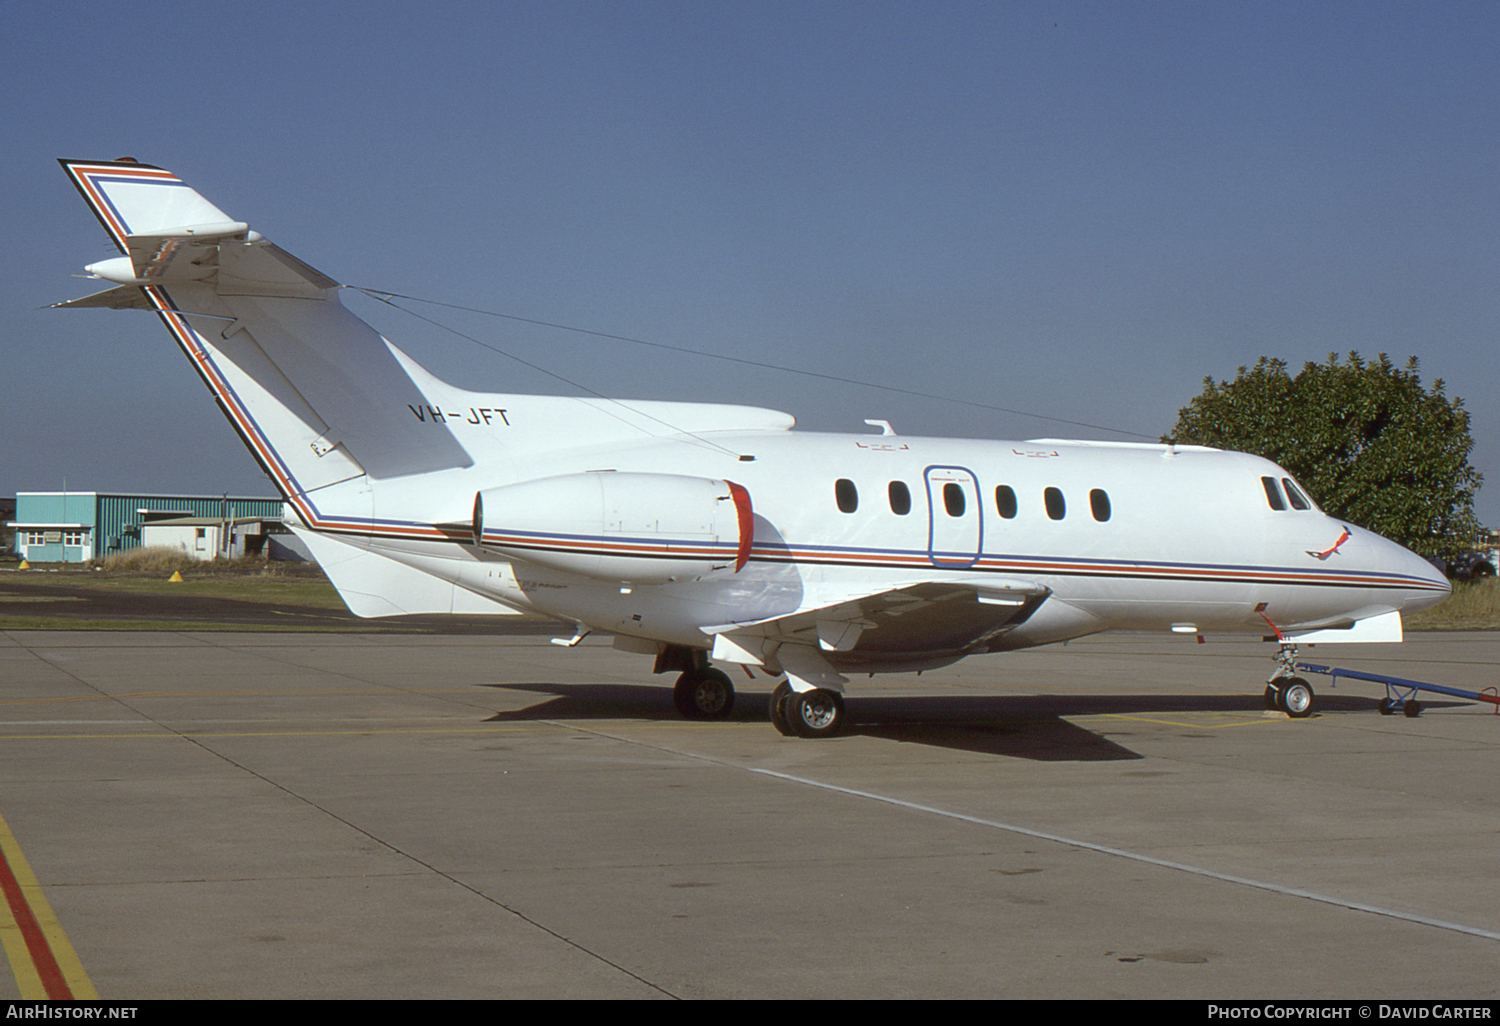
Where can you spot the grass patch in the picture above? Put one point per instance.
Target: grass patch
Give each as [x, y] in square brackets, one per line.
[134, 591]
[148, 559]
[49, 623]
[224, 595]
[1474, 605]
[263, 590]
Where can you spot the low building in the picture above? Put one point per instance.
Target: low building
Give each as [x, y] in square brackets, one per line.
[206, 538]
[74, 527]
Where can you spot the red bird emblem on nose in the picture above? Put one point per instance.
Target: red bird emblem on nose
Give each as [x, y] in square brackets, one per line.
[1328, 552]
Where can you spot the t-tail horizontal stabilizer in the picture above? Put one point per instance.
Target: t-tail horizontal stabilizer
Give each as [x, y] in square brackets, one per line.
[314, 391]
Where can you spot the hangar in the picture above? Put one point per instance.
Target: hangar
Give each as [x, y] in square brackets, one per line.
[74, 527]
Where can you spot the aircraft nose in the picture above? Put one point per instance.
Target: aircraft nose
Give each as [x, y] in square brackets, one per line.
[1426, 585]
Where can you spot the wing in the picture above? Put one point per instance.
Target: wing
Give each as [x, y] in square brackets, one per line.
[917, 625]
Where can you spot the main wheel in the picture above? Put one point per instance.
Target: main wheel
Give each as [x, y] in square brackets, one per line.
[1386, 707]
[1413, 709]
[1296, 697]
[779, 695]
[816, 713]
[1273, 698]
[703, 694]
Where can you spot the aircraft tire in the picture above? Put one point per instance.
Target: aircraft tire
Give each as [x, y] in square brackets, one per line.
[814, 714]
[1272, 697]
[703, 694]
[779, 695]
[1387, 707]
[1296, 698]
[1413, 709]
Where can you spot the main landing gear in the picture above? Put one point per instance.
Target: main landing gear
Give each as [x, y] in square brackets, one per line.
[812, 714]
[1286, 692]
[703, 693]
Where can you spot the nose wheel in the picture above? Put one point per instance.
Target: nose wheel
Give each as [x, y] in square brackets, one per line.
[1286, 692]
[1294, 696]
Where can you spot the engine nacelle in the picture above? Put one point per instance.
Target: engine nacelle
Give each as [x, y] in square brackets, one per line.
[621, 527]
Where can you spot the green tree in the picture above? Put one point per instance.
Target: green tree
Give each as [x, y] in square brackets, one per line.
[1370, 444]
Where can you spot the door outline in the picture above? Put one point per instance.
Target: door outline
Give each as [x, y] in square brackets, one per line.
[949, 538]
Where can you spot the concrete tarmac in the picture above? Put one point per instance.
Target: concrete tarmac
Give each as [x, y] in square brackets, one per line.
[216, 815]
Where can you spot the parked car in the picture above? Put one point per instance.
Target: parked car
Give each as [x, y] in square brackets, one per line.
[1471, 566]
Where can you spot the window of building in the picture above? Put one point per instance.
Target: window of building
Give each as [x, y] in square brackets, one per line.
[74, 538]
[900, 498]
[1057, 507]
[846, 495]
[1099, 504]
[1005, 501]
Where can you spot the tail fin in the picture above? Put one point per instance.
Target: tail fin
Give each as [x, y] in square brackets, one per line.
[312, 389]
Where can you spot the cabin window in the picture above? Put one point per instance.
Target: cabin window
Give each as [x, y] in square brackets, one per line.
[1057, 508]
[1273, 493]
[1099, 504]
[846, 495]
[1005, 501]
[900, 498]
[1294, 495]
[953, 499]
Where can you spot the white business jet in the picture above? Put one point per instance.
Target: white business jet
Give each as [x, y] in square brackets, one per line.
[707, 534]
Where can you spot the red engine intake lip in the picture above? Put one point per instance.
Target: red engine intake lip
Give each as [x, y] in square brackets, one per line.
[747, 524]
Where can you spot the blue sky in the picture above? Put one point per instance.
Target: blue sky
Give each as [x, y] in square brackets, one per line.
[1073, 210]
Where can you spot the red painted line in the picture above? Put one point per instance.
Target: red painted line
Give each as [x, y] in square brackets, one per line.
[36, 941]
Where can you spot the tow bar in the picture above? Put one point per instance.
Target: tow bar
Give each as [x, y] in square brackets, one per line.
[1400, 693]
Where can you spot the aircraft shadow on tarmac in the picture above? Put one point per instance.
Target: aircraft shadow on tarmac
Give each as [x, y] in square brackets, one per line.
[1026, 727]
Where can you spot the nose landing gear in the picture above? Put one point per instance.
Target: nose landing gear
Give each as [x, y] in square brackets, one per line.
[1285, 691]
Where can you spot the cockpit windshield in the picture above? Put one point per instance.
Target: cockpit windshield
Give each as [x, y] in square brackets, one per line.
[1273, 493]
[1293, 496]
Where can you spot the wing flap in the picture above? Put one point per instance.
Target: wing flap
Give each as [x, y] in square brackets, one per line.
[928, 616]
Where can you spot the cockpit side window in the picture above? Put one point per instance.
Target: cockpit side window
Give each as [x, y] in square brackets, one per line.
[1273, 493]
[1294, 495]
